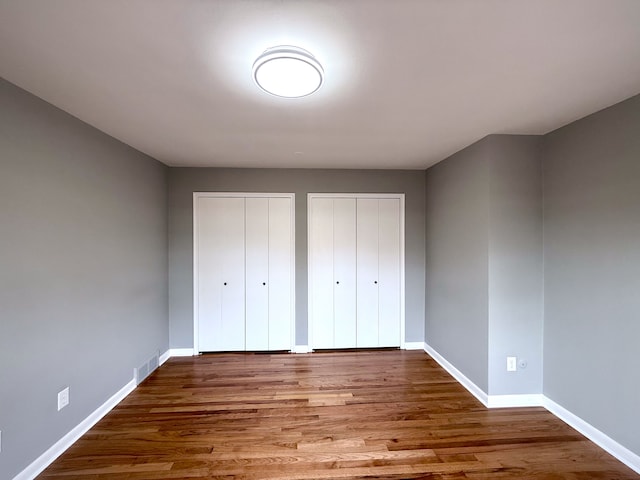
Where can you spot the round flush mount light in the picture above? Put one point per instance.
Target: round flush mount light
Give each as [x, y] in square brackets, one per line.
[288, 71]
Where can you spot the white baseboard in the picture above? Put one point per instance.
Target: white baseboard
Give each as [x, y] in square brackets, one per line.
[58, 448]
[489, 401]
[458, 375]
[164, 357]
[511, 401]
[605, 442]
[301, 349]
[181, 352]
[414, 345]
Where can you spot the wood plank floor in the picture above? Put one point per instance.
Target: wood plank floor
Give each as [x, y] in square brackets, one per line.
[380, 414]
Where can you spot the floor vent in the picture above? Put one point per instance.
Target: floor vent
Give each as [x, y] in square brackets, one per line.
[146, 368]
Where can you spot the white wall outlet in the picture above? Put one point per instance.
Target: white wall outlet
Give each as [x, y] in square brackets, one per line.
[512, 364]
[63, 398]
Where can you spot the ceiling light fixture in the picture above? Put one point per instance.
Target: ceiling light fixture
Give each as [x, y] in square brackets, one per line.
[288, 71]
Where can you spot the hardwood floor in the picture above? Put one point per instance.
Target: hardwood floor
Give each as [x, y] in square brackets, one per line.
[381, 414]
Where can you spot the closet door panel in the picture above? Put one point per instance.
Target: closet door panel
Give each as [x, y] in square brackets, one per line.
[321, 267]
[279, 282]
[221, 274]
[367, 272]
[257, 271]
[232, 265]
[389, 272]
[344, 265]
[209, 244]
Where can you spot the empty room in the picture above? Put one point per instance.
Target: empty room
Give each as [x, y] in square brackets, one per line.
[319, 239]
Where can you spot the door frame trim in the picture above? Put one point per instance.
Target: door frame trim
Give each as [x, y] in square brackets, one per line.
[399, 196]
[198, 195]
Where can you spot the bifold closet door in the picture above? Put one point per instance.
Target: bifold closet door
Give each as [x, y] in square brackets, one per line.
[378, 272]
[333, 272]
[355, 268]
[268, 266]
[244, 273]
[221, 282]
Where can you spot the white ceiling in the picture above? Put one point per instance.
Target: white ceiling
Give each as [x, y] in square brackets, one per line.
[408, 82]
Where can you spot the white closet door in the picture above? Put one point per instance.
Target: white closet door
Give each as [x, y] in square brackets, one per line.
[221, 274]
[232, 265]
[344, 272]
[257, 268]
[209, 275]
[321, 268]
[367, 272]
[355, 245]
[279, 281]
[389, 272]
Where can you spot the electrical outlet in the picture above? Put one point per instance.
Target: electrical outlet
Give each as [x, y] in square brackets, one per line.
[512, 364]
[63, 398]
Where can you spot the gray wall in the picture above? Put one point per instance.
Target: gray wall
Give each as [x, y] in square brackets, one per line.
[83, 268]
[184, 181]
[484, 262]
[592, 270]
[515, 263]
[457, 261]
